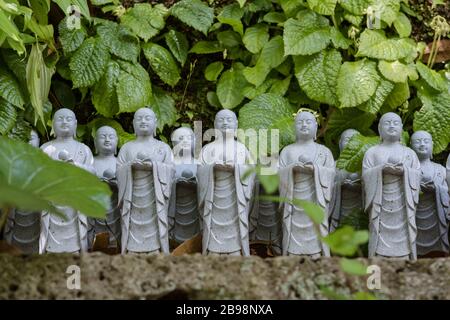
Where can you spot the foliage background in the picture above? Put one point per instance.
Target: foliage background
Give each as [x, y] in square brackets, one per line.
[187, 59]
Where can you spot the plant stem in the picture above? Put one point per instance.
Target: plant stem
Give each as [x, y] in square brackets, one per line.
[438, 42]
[433, 47]
[3, 216]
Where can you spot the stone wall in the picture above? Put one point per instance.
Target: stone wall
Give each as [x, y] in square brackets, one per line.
[197, 277]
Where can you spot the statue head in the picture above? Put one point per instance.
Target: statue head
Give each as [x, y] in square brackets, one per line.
[390, 127]
[34, 139]
[345, 138]
[144, 122]
[305, 126]
[183, 140]
[65, 123]
[226, 121]
[422, 144]
[106, 141]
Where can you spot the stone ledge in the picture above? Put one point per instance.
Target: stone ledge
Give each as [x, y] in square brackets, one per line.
[212, 277]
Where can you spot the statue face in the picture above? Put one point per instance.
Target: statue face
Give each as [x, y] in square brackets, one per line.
[183, 139]
[144, 122]
[422, 144]
[64, 123]
[305, 126]
[390, 127]
[34, 139]
[345, 138]
[226, 121]
[106, 140]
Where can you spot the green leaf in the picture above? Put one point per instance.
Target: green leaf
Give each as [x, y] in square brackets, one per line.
[398, 95]
[338, 39]
[10, 89]
[81, 6]
[8, 116]
[256, 37]
[397, 71]
[162, 63]
[70, 38]
[88, 63]
[232, 15]
[104, 96]
[307, 36]
[272, 55]
[164, 107]
[229, 38]
[291, 7]
[97, 123]
[119, 40]
[21, 130]
[324, 7]
[144, 21]
[352, 156]
[269, 111]
[213, 70]
[434, 117]
[374, 44]
[317, 75]
[374, 104]
[16, 64]
[403, 25]
[357, 82]
[230, 88]
[353, 267]
[39, 78]
[353, 19]
[194, 13]
[388, 10]
[178, 45]
[269, 182]
[40, 10]
[275, 17]
[206, 47]
[434, 79]
[356, 7]
[30, 172]
[312, 210]
[133, 88]
[346, 241]
[280, 87]
[251, 92]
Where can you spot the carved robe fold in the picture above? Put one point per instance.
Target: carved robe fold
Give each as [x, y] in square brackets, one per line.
[391, 202]
[299, 236]
[144, 198]
[22, 230]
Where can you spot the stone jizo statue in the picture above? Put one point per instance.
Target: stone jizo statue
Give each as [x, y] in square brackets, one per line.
[447, 167]
[184, 218]
[105, 163]
[145, 174]
[433, 207]
[391, 180]
[307, 172]
[57, 234]
[347, 195]
[225, 191]
[22, 228]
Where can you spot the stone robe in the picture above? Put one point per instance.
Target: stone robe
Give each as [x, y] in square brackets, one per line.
[58, 235]
[22, 230]
[224, 199]
[391, 201]
[144, 197]
[299, 235]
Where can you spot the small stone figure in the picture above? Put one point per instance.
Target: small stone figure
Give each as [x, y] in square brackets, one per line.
[347, 194]
[23, 228]
[184, 218]
[57, 234]
[433, 207]
[448, 171]
[144, 174]
[105, 167]
[307, 171]
[225, 190]
[391, 181]
[266, 220]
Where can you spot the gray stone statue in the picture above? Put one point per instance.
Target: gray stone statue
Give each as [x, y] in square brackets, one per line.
[22, 229]
[144, 174]
[266, 220]
[105, 163]
[184, 218]
[307, 172]
[432, 210]
[448, 171]
[224, 190]
[57, 234]
[347, 194]
[391, 181]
